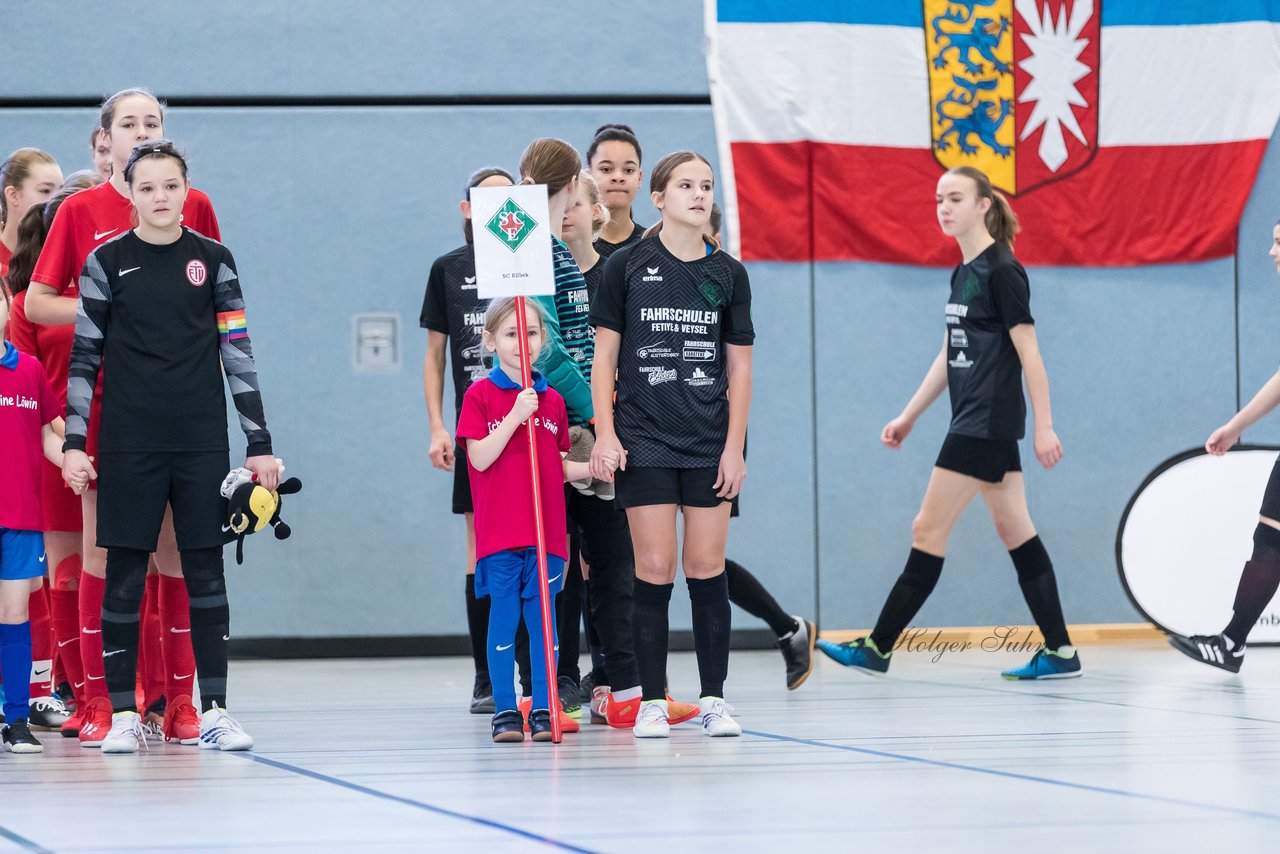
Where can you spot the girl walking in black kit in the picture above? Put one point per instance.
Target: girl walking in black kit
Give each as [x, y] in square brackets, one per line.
[1261, 575]
[163, 306]
[988, 345]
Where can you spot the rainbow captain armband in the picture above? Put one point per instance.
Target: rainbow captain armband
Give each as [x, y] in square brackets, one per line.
[232, 326]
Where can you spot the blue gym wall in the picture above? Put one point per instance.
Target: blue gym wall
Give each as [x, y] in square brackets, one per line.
[333, 211]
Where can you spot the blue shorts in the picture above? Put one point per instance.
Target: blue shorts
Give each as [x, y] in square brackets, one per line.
[505, 573]
[21, 555]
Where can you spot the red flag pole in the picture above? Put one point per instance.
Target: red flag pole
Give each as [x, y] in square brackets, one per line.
[548, 630]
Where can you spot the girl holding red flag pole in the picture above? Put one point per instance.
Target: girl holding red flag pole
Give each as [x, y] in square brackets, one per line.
[497, 414]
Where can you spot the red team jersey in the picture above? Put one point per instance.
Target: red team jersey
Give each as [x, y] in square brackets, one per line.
[501, 493]
[86, 220]
[51, 345]
[26, 405]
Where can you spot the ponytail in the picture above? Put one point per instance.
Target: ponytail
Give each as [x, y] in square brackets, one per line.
[1001, 221]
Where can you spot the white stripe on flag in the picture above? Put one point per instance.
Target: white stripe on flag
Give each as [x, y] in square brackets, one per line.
[1189, 85]
[867, 85]
[852, 84]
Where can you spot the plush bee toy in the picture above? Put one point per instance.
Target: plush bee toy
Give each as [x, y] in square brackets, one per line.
[251, 508]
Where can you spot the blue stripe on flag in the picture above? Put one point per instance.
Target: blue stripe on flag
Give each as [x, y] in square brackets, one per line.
[910, 13]
[1118, 13]
[895, 13]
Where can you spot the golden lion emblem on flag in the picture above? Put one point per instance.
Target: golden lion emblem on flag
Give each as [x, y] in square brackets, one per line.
[1013, 87]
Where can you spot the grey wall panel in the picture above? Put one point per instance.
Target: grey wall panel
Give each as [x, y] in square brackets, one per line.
[242, 48]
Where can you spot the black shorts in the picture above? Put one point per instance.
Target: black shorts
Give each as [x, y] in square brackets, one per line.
[461, 481]
[133, 489]
[986, 459]
[1271, 498]
[639, 487]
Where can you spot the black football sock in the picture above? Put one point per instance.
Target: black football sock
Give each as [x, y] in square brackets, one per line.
[746, 591]
[709, 598]
[1040, 589]
[907, 597]
[1258, 584]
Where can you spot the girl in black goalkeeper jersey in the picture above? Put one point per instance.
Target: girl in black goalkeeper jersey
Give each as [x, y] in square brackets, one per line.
[453, 316]
[673, 325]
[988, 346]
[162, 304]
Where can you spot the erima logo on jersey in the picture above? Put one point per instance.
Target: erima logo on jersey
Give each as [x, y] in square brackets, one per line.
[468, 283]
[653, 275]
[961, 361]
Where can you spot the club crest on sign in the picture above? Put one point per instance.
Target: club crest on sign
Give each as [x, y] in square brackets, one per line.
[1013, 87]
[511, 224]
[196, 272]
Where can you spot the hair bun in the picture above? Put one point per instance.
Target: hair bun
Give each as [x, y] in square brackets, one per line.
[624, 128]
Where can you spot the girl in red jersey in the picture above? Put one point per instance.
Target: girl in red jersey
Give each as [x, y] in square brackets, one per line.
[29, 426]
[100, 146]
[84, 222]
[51, 345]
[496, 415]
[28, 177]
[453, 314]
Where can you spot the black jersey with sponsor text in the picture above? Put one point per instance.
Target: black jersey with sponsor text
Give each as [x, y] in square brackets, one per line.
[451, 307]
[675, 318]
[989, 296]
[605, 248]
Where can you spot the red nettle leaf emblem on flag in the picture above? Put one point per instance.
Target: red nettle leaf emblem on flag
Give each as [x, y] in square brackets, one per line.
[1013, 87]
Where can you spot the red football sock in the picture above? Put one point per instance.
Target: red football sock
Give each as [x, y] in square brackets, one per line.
[92, 592]
[41, 644]
[179, 660]
[64, 608]
[151, 676]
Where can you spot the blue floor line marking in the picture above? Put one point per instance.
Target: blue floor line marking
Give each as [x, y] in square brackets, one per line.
[447, 813]
[23, 842]
[1014, 775]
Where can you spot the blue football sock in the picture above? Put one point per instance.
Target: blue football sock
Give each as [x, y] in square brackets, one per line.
[15, 665]
[504, 618]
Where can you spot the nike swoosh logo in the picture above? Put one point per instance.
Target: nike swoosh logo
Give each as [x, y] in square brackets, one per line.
[504, 648]
[179, 631]
[176, 676]
[61, 644]
[39, 673]
[42, 557]
[79, 684]
[98, 235]
[91, 631]
[113, 652]
[94, 678]
[554, 580]
[226, 637]
[128, 271]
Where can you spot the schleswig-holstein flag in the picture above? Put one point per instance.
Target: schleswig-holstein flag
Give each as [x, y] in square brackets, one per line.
[1123, 131]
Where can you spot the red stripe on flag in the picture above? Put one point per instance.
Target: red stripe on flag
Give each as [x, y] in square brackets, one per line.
[1131, 205]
